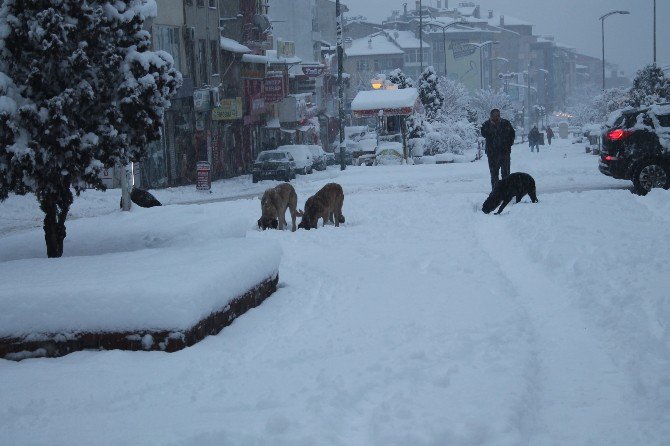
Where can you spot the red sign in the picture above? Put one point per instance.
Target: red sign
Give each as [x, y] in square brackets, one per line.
[405, 111]
[315, 71]
[274, 89]
[203, 176]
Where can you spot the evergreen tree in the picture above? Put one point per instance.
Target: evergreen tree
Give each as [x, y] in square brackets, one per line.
[80, 91]
[650, 86]
[397, 77]
[430, 94]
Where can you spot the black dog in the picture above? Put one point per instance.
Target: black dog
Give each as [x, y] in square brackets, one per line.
[516, 185]
[142, 198]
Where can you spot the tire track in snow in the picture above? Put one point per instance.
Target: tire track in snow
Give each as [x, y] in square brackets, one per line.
[578, 385]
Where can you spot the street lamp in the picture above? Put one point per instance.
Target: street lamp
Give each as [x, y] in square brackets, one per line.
[602, 20]
[499, 59]
[481, 59]
[444, 38]
[340, 84]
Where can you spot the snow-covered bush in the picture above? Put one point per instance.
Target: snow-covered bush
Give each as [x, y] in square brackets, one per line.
[456, 99]
[484, 101]
[448, 136]
[397, 77]
[650, 86]
[80, 90]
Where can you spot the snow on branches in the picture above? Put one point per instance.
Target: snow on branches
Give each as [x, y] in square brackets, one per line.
[80, 90]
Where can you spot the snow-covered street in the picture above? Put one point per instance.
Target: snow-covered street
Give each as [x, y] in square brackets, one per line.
[420, 321]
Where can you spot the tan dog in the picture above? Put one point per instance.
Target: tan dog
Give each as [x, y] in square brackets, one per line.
[273, 207]
[326, 204]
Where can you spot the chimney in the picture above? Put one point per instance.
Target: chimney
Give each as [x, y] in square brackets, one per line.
[405, 8]
[439, 4]
[418, 5]
[490, 13]
[502, 20]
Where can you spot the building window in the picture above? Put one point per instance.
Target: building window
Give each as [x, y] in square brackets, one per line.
[214, 50]
[166, 38]
[202, 60]
[212, 4]
[200, 3]
[362, 65]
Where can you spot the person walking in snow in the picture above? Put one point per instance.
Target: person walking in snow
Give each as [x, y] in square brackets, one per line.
[534, 139]
[550, 134]
[499, 135]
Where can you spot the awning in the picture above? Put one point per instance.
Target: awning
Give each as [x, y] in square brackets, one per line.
[254, 58]
[287, 130]
[306, 128]
[233, 46]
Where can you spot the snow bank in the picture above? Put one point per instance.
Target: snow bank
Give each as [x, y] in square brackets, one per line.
[150, 269]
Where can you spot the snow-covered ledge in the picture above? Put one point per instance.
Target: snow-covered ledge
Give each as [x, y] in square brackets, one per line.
[190, 276]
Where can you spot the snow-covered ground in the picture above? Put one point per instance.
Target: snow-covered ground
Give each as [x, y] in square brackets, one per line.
[421, 321]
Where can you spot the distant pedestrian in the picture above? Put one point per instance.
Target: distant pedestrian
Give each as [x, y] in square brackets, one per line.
[534, 139]
[550, 134]
[499, 135]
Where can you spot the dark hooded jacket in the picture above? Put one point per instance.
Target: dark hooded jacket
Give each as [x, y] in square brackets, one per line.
[499, 138]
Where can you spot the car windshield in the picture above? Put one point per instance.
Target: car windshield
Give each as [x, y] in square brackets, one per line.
[272, 156]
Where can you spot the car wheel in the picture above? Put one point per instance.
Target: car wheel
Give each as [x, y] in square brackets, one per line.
[649, 175]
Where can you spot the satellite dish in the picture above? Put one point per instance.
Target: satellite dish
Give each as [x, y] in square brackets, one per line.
[262, 22]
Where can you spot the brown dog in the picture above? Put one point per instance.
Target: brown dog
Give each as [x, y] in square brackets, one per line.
[273, 207]
[326, 204]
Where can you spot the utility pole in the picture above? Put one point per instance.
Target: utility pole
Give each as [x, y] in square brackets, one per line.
[340, 91]
[654, 32]
[421, 34]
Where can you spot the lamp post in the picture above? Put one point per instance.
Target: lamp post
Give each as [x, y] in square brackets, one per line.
[340, 87]
[481, 58]
[444, 38]
[654, 32]
[499, 59]
[421, 35]
[602, 20]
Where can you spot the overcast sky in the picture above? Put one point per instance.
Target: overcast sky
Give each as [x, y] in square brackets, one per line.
[628, 38]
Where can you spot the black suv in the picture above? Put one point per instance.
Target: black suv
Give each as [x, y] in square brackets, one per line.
[637, 147]
[273, 164]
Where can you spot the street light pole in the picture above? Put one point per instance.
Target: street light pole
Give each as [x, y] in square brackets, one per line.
[340, 87]
[421, 34]
[654, 32]
[444, 38]
[602, 20]
[481, 59]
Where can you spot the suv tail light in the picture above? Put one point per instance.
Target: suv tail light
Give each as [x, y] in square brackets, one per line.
[618, 134]
[611, 158]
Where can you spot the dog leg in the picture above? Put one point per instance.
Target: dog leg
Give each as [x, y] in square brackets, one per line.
[504, 203]
[519, 197]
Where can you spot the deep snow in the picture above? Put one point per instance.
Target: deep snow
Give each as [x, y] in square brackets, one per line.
[420, 321]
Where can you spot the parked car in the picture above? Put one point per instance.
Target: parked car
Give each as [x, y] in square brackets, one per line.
[273, 164]
[318, 157]
[302, 156]
[637, 147]
[389, 153]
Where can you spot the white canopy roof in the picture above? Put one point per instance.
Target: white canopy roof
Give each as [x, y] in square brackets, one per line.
[389, 102]
[233, 46]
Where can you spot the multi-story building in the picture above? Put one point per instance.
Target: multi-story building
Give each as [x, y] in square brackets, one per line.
[369, 56]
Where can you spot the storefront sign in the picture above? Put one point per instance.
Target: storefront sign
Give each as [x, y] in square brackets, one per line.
[405, 111]
[203, 176]
[228, 110]
[314, 71]
[274, 87]
[253, 70]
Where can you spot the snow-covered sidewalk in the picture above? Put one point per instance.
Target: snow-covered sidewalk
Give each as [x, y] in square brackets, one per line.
[420, 321]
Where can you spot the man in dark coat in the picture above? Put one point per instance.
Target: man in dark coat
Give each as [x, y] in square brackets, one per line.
[499, 135]
[534, 139]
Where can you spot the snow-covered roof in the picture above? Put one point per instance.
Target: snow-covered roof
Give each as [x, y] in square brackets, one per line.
[372, 45]
[233, 46]
[405, 39]
[254, 58]
[390, 102]
[270, 58]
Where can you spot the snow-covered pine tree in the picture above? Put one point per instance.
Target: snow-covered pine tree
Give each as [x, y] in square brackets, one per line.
[429, 93]
[456, 99]
[650, 86]
[397, 77]
[80, 90]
